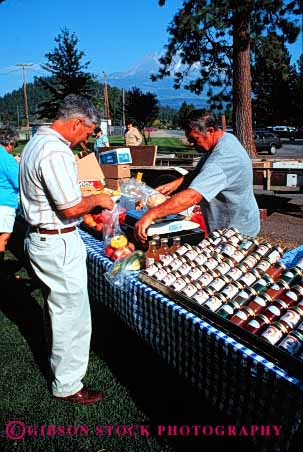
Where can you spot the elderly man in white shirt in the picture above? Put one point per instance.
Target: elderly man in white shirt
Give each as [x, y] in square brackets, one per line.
[52, 205]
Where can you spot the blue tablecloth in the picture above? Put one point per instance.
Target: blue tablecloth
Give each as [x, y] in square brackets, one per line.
[236, 380]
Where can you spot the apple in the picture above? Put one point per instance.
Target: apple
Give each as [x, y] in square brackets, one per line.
[109, 251]
[99, 227]
[131, 246]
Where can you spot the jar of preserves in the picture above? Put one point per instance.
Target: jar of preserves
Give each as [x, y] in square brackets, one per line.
[238, 256]
[167, 259]
[263, 265]
[300, 327]
[207, 278]
[236, 239]
[230, 232]
[211, 263]
[200, 259]
[223, 267]
[180, 283]
[175, 244]
[293, 295]
[262, 284]
[250, 277]
[232, 289]
[234, 273]
[196, 272]
[183, 249]
[251, 260]
[191, 255]
[150, 271]
[274, 333]
[218, 283]
[228, 249]
[163, 250]
[151, 255]
[242, 316]
[245, 295]
[291, 276]
[248, 246]
[228, 309]
[170, 278]
[189, 290]
[263, 248]
[205, 243]
[185, 269]
[277, 289]
[258, 324]
[176, 263]
[292, 343]
[292, 316]
[160, 274]
[214, 235]
[259, 303]
[275, 310]
[215, 302]
[274, 254]
[203, 295]
[276, 270]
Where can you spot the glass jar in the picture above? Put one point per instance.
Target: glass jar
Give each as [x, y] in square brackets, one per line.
[292, 316]
[249, 278]
[258, 324]
[211, 263]
[262, 284]
[238, 256]
[200, 259]
[163, 250]
[150, 271]
[263, 248]
[196, 272]
[292, 343]
[228, 249]
[242, 316]
[248, 246]
[228, 309]
[218, 283]
[259, 303]
[215, 302]
[160, 274]
[207, 278]
[293, 295]
[151, 255]
[245, 295]
[223, 267]
[180, 283]
[274, 254]
[263, 265]
[274, 333]
[234, 273]
[183, 249]
[276, 270]
[251, 260]
[275, 310]
[291, 276]
[277, 289]
[203, 295]
[185, 269]
[175, 244]
[232, 289]
[170, 278]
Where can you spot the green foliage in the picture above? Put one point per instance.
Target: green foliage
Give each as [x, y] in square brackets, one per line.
[67, 71]
[209, 32]
[184, 111]
[141, 108]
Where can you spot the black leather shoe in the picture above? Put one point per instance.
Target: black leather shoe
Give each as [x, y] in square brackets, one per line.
[83, 397]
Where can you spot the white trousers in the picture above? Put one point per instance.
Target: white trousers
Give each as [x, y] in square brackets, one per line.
[59, 261]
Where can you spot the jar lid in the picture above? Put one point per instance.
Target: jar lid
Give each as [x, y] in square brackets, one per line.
[298, 335]
[234, 304]
[280, 326]
[221, 297]
[249, 310]
[264, 318]
[298, 309]
[281, 303]
[266, 296]
[298, 288]
[284, 284]
[238, 284]
[251, 290]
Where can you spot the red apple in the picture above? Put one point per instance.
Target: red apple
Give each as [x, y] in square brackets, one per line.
[131, 246]
[99, 227]
[109, 251]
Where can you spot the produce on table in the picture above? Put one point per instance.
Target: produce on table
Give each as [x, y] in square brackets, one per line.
[155, 199]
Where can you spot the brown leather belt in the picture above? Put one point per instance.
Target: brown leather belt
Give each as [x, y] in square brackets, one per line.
[52, 231]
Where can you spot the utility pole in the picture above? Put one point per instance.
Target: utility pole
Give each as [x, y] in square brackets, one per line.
[123, 109]
[106, 103]
[18, 116]
[25, 92]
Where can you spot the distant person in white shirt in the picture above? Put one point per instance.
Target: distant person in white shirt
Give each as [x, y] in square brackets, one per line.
[52, 205]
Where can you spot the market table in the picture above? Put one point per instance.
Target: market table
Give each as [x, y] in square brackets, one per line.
[235, 379]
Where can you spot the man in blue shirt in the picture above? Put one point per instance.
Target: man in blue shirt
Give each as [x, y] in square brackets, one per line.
[101, 139]
[9, 188]
[222, 182]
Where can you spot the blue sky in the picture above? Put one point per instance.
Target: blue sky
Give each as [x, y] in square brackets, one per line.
[114, 34]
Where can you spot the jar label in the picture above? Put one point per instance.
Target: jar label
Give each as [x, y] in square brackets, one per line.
[273, 256]
[184, 269]
[262, 249]
[213, 303]
[250, 261]
[230, 290]
[169, 279]
[201, 296]
[211, 263]
[291, 344]
[179, 284]
[248, 279]
[292, 295]
[235, 273]
[160, 274]
[263, 265]
[189, 290]
[272, 334]
[291, 318]
[242, 315]
[195, 273]
[205, 279]
[229, 249]
[238, 256]
[260, 301]
[217, 284]
[191, 254]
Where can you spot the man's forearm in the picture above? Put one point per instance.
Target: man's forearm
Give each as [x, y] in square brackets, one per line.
[86, 204]
[175, 204]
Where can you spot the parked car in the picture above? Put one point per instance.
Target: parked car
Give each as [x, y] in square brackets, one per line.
[267, 141]
[285, 132]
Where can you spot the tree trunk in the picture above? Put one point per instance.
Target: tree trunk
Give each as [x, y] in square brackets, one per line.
[242, 106]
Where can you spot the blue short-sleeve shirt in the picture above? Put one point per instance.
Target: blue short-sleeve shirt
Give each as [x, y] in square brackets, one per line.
[224, 178]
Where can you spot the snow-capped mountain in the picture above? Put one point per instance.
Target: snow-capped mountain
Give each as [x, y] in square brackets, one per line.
[139, 76]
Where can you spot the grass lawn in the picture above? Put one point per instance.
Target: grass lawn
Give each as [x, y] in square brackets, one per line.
[138, 387]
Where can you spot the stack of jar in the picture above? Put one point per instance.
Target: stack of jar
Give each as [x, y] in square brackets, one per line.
[241, 280]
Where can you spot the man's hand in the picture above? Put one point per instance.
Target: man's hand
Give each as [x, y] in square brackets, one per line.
[168, 189]
[105, 201]
[142, 225]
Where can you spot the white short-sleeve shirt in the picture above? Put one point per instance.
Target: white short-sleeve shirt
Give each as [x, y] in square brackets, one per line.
[48, 180]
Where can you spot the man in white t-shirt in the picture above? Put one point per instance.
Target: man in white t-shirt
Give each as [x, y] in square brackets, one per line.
[52, 205]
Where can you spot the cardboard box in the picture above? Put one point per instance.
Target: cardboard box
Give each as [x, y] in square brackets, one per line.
[114, 184]
[115, 156]
[116, 171]
[90, 175]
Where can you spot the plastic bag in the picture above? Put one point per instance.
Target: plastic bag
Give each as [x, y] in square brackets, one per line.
[136, 194]
[116, 244]
[123, 268]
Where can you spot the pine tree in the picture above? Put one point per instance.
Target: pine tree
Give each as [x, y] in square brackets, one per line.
[219, 35]
[183, 112]
[141, 108]
[67, 71]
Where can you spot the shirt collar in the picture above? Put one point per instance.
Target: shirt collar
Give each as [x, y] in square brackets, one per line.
[47, 130]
